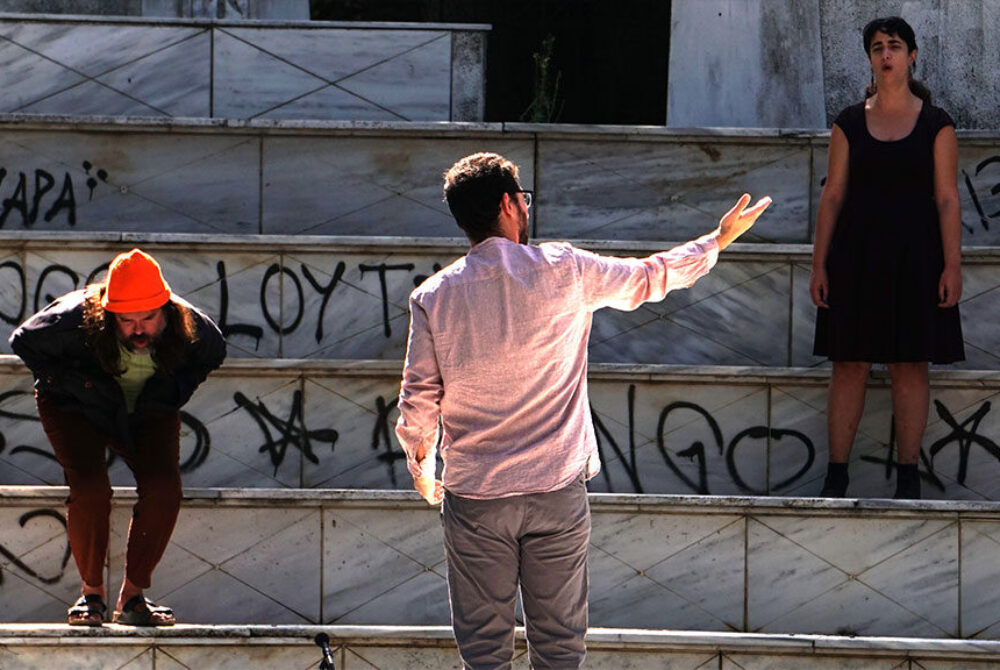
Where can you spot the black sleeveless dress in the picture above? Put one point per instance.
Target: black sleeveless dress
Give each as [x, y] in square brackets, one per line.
[885, 257]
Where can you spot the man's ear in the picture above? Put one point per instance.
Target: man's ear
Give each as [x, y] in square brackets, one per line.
[506, 201]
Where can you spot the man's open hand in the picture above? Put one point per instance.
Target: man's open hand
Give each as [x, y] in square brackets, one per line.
[738, 220]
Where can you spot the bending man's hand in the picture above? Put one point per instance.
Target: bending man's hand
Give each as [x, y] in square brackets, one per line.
[738, 220]
[430, 489]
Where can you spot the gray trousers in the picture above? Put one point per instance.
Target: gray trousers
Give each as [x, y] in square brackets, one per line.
[538, 541]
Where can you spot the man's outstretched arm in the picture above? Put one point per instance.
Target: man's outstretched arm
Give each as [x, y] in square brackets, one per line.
[626, 283]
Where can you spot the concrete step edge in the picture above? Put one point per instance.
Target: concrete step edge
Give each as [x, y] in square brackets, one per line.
[699, 374]
[441, 636]
[14, 240]
[34, 495]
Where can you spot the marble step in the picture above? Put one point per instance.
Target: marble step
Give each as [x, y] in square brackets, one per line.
[25, 646]
[661, 429]
[225, 68]
[346, 297]
[709, 563]
[266, 176]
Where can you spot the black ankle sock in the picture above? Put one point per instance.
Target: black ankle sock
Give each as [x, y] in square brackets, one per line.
[907, 482]
[835, 484]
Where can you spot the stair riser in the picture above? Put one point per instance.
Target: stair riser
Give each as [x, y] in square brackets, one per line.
[364, 656]
[385, 179]
[724, 565]
[328, 301]
[243, 70]
[711, 433]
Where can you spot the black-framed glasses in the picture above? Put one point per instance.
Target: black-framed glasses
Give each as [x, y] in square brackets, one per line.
[529, 196]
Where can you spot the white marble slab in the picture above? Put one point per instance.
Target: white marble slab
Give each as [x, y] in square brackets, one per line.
[132, 183]
[805, 577]
[233, 71]
[367, 185]
[612, 189]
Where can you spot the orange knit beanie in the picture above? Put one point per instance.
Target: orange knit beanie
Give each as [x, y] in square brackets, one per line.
[134, 284]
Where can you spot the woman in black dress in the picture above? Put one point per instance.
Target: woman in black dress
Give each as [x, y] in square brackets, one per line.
[886, 272]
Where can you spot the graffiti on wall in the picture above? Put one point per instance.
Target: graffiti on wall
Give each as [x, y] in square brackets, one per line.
[272, 436]
[42, 194]
[22, 300]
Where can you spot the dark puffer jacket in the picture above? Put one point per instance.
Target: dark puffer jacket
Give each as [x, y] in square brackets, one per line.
[53, 344]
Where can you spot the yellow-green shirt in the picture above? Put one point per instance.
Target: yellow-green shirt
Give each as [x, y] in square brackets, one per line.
[138, 368]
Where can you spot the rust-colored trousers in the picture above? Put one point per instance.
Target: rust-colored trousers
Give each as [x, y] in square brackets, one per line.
[81, 450]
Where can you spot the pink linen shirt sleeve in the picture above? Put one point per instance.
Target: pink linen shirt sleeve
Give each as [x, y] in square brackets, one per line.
[420, 394]
[626, 283]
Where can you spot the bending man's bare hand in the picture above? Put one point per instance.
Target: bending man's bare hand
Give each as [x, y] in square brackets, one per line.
[739, 219]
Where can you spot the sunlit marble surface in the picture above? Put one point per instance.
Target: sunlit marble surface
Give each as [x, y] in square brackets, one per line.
[661, 429]
[322, 298]
[384, 177]
[277, 70]
[674, 563]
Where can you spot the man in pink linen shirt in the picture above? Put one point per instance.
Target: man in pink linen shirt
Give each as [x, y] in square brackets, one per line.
[496, 378]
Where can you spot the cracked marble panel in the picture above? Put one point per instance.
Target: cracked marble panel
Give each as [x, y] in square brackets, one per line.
[731, 661]
[267, 562]
[393, 569]
[700, 427]
[369, 185]
[681, 572]
[377, 74]
[131, 182]
[667, 190]
[804, 578]
[236, 657]
[738, 314]
[980, 595]
[117, 657]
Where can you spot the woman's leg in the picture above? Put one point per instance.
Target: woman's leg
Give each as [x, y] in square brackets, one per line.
[845, 404]
[910, 404]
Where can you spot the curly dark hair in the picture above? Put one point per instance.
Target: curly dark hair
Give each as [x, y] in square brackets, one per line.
[474, 187]
[99, 325]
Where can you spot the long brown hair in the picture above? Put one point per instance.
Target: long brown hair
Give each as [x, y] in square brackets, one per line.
[99, 325]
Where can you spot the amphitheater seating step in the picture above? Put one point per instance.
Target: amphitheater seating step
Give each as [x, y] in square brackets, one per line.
[346, 297]
[661, 429]
[711, 563]
[238, 69]
[283, 177]
[24, 646]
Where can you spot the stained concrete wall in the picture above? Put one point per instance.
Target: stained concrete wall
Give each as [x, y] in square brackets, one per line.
[797, 63]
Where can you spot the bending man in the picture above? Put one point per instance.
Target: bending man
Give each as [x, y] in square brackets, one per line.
[113, 363]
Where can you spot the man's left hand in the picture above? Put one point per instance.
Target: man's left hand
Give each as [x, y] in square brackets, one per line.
[430, 489]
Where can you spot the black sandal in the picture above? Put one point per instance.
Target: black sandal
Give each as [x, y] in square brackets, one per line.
[88, 610]
[141, 611]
